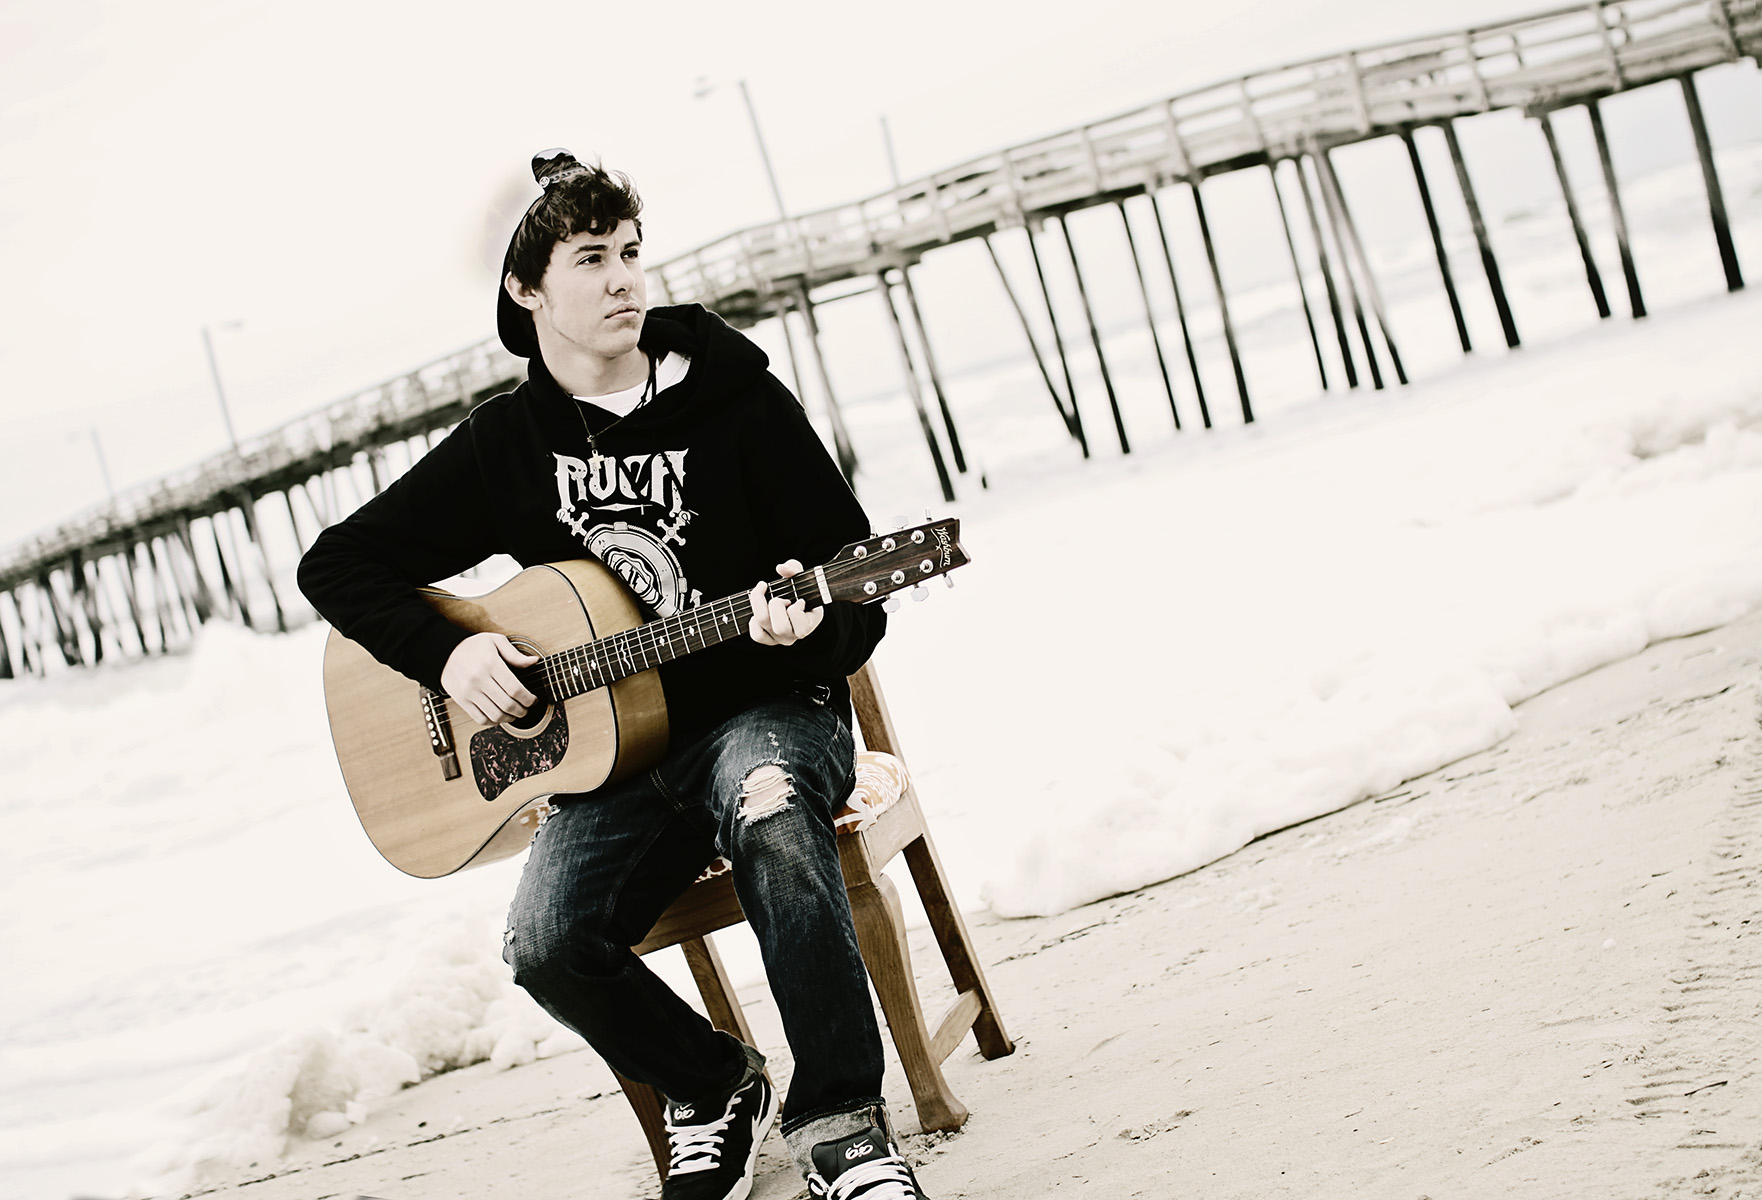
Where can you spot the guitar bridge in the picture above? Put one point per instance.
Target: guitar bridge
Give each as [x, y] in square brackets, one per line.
[440, 732]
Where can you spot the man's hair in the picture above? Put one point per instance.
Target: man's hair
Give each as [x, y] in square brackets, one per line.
[577, 197]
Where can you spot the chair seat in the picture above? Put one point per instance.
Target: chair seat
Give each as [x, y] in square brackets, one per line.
[881, 781]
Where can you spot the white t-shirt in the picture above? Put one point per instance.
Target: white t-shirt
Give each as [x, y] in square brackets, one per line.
[669, 371]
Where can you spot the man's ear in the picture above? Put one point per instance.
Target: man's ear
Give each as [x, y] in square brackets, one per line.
[525, 297]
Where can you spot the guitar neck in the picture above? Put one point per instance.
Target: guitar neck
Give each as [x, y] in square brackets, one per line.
[603, 662]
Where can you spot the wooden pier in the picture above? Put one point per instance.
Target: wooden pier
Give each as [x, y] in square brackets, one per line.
[138, 575]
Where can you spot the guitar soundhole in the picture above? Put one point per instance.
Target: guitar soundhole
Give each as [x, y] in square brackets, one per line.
[533, 719]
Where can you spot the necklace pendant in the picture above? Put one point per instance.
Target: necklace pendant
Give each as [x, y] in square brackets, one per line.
[596, 462]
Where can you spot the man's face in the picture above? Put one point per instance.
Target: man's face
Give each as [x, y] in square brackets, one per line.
[593, 295]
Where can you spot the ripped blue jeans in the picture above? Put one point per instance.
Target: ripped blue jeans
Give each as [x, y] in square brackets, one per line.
[761, 791]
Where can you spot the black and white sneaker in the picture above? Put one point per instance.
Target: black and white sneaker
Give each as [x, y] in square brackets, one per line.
[715, 1145]
[864, 1166]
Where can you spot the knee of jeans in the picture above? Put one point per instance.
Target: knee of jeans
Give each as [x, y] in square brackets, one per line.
[765, 792]
[537, 948]
[787, 845]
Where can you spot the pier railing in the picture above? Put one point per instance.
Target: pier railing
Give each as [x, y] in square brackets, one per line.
[435, 394]
[1535, 63]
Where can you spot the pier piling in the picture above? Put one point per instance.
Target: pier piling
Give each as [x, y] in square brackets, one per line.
[1331, 187]
[1489, 264]
[1058, 341]
[131, 594]
[954, 437]
[248, 509]
[1592, 275]
[1635, 302]
[156, 592]
[1113, 400]
[85, 596]
[1149, 313]
[196, 587]
[1728, 254]
[914, 389]
[1015, 302]
[1223, 303]
[1327, 273]
[1347, 279]
[236, 601]
[1168, 258]
[1431, 215]
[1321, 366]
[841, 443]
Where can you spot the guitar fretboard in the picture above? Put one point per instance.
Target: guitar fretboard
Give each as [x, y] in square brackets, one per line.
[601, 663]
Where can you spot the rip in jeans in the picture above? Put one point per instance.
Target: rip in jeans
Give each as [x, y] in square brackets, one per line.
[766, 791]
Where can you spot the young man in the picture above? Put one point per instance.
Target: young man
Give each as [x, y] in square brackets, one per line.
[657, 442]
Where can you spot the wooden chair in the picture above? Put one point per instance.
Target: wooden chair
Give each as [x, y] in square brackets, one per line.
[868, 841]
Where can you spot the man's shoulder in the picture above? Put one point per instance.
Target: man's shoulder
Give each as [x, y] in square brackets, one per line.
[705, 338]
[502, 410]
[503, 403]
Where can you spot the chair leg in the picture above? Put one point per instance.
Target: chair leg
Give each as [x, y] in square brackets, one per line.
[880, 928]
[717, 989]
[956, 945]
[725, 1014]
[646, 1102]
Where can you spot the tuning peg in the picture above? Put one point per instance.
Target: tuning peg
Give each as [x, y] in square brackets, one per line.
[948, 581]
[891, 604]
[899, 520]
[920, 592]
[927, 517]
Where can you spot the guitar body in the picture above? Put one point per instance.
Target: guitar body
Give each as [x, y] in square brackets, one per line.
[428, 825]
[437, 792]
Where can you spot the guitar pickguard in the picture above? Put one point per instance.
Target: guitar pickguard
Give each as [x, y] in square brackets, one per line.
[499, 760]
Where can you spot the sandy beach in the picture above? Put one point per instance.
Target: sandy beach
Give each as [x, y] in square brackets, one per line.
[1528, 973]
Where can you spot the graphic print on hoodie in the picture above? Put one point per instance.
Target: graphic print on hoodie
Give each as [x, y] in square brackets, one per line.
[629, 512]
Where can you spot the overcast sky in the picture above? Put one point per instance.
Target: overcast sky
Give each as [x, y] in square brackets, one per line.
[330, 172]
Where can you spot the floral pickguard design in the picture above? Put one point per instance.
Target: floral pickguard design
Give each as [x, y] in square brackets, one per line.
[499, 760]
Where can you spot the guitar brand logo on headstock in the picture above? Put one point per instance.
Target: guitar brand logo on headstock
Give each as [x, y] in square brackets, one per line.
[947, 544]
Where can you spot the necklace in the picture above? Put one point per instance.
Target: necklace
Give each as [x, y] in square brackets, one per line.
[593, 446]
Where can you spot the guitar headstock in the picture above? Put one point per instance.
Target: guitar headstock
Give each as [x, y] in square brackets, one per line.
[879, 566]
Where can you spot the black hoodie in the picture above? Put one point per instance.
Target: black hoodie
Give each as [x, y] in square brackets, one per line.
[701, 492]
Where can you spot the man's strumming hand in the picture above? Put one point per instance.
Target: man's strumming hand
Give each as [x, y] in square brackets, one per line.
[776, 622]
[479, 676]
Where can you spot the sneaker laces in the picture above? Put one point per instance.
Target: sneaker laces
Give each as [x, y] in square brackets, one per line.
[879, 1179]
[697, 1147]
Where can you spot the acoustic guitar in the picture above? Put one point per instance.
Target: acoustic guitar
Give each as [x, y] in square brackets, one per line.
[437, 792]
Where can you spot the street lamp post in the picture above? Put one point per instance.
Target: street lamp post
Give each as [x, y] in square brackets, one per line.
[887, 144]
[103, 465]
[847, 456]
[214, 372]
[704, 88]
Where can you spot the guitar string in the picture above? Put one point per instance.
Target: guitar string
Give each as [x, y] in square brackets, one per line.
[646, 640]
[652, 641]
[655, 638]
[676, 625]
